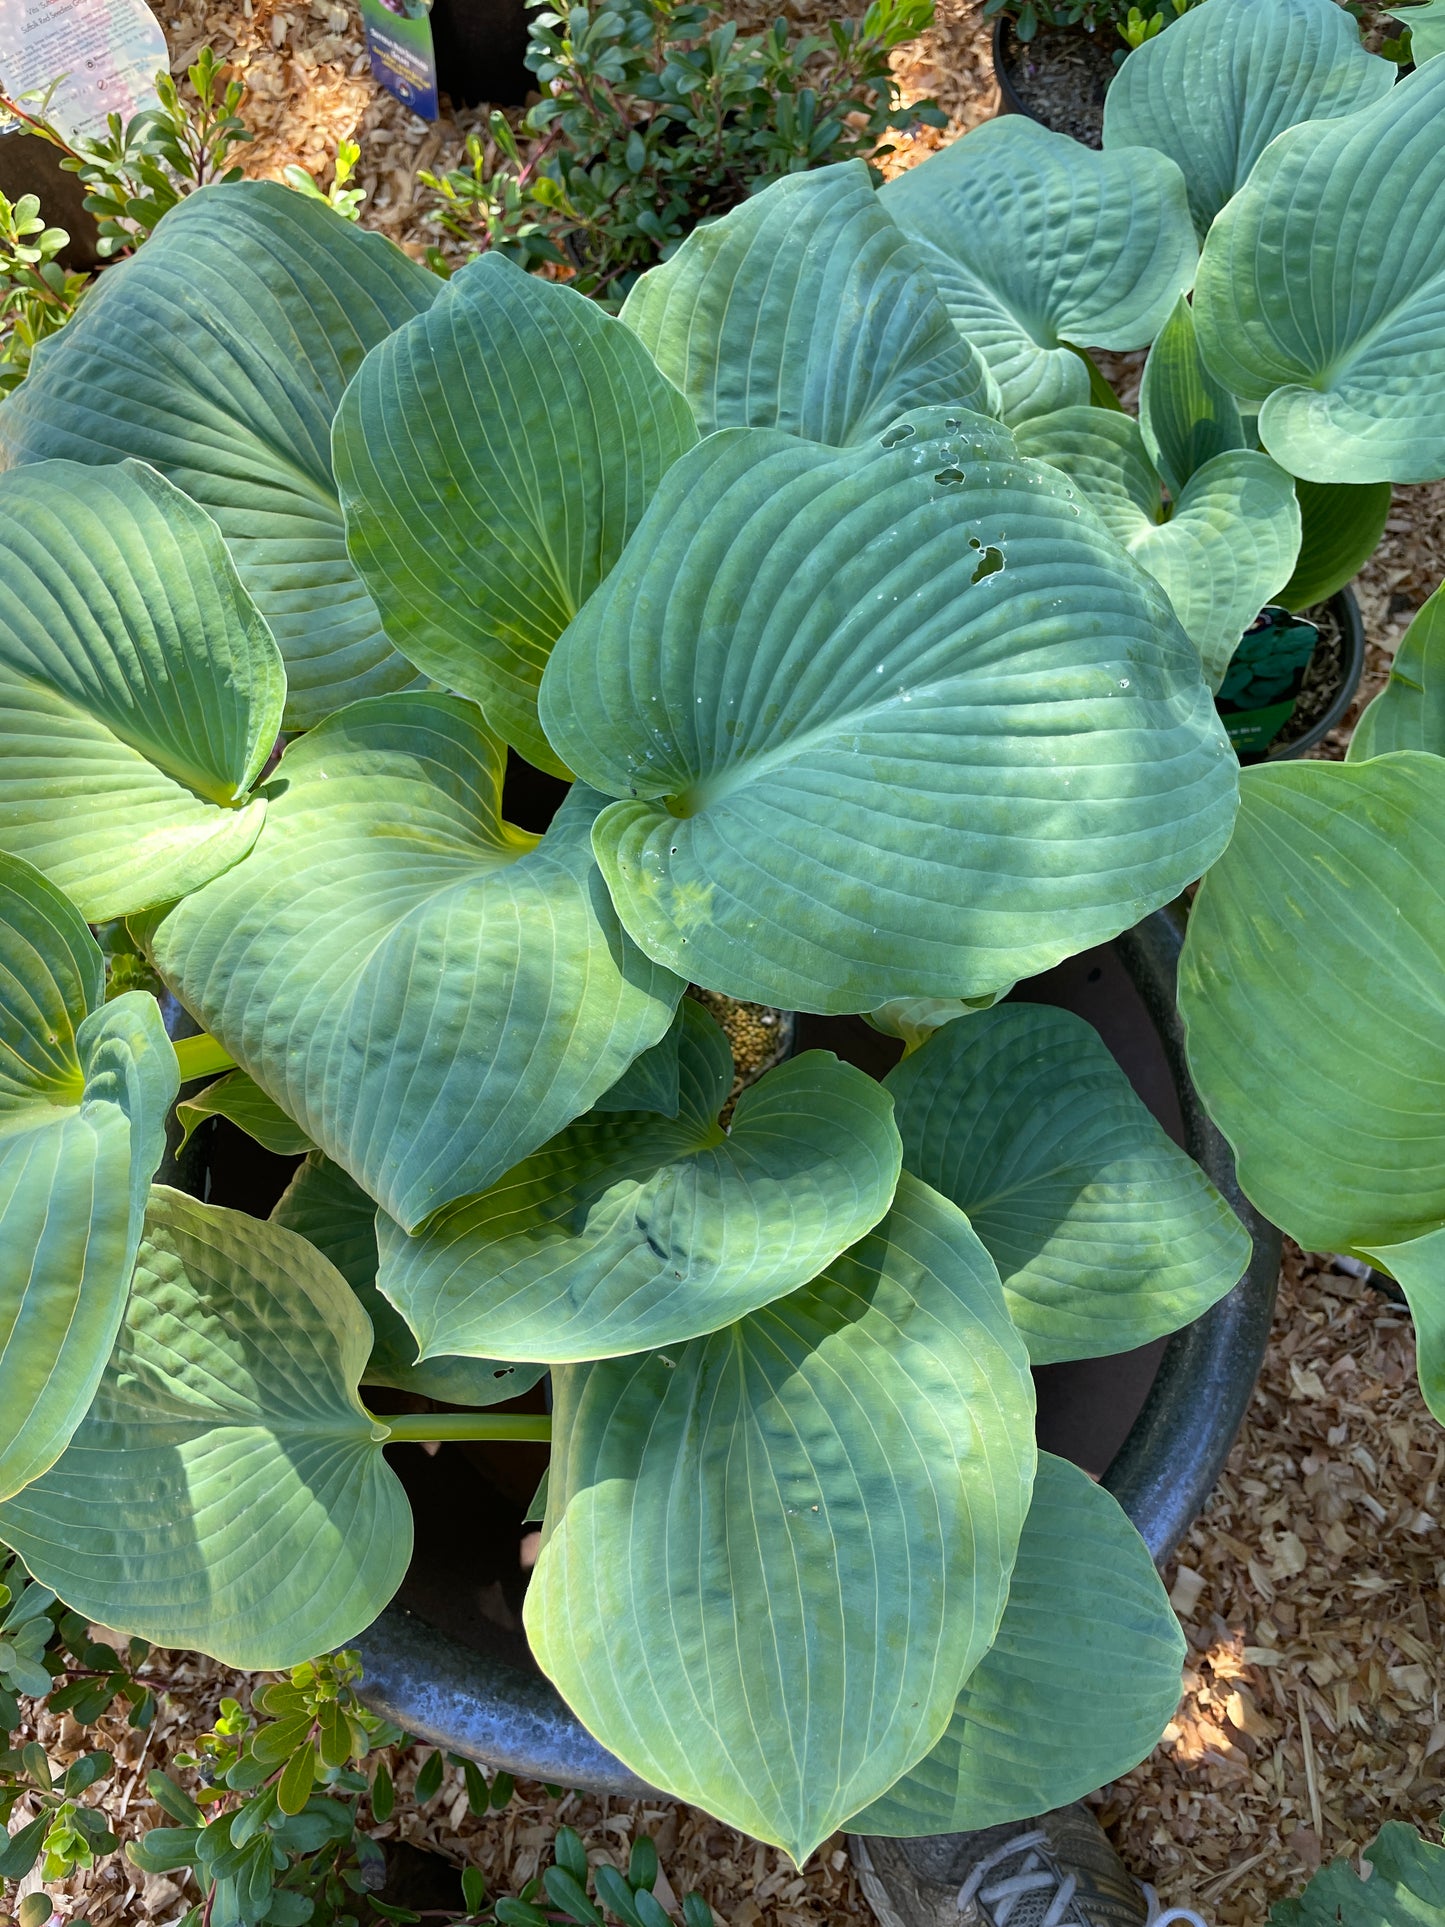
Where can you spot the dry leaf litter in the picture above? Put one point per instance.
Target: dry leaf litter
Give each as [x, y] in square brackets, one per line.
[1313, 1588]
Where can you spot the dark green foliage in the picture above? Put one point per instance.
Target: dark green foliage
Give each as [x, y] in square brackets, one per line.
[658, 116]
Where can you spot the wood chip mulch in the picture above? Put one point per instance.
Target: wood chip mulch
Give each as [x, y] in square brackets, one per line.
[1312, 1589]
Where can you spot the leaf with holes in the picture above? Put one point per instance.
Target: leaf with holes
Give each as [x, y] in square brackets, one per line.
[429, 993]
[1214, 91]
[1082, 1679]
[324, 1206]
[1220, 551]
[1106, 1234]
[806, 308]
[1038, 243]
[140, 690]
[493, 457]
[897, 720]
[218, 353]
[1321, 930]
[84, 1091]
[1409, 712]
[773, 1555]
[632, 1231]
[234, 1375]
[1320, 299]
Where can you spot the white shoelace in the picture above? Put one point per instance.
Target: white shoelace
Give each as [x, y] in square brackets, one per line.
[1003, 1895]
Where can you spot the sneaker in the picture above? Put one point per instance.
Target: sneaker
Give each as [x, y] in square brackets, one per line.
[1057, 1871]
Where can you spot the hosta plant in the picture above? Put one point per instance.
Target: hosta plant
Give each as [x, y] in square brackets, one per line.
[879, 671]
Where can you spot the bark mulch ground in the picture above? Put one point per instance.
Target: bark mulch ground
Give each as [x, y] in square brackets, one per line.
[1313, 1588]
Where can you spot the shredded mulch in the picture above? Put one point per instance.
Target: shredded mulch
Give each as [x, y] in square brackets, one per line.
[1313, 1587]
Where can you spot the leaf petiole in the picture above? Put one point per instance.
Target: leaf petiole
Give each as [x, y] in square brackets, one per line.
[201, 1056]
[420, 1426]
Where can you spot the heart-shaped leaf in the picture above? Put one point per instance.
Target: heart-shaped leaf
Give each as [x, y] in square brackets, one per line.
[240, 1099]
[428, 992]
[1227, 543]
[1213, 94]
[1076, 1689]
[1185, 416]
[1037, 242]
[1409, 712]
[218, 354]
[1104, 1232]
[226, 1490]
[84, 1091]
[332, 1212]
[806, 308]
[140, 690]
[1319, 934]
[773, 1555]
[1340, 528]
[633, 1231]
[897, 720]
[653, 1081]
[1321, 292]
[493, 457]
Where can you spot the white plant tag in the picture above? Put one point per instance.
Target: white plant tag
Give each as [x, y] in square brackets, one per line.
[109, 52]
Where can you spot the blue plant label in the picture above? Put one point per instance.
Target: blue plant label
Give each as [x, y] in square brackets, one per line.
[403, 59]
[1263, 682]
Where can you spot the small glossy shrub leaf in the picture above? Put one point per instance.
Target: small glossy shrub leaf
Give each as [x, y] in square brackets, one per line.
[241, 1099]
[773, 1555]
[1317, 939]
[140, 690]
[1082, 1679]
[806, 308]
[430, 993]
[891, 721]
[1104, 1232]
[1229, 542]
[493, 457]
[1409, 712]
[1340, 528]
[84, 1091]
[1185, 415]
[1037, 242]
[632, 1231]
[226, 1490]
[218, 354]
[325, 1206]
[1405, 1886]
[1214, 95]
[1321, 292]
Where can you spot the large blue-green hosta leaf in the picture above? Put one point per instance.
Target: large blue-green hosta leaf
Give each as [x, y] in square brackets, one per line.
[1403, 1887]
[1220, 552]
[892, 721]
[84, 1091]
[808, 309]
[1426, 21]
[1185, 416]
[1082, 1679]
[1104, 1232]
[493, 457]
[1037, 242]
[428, 992]
[226, 1490]
[631, 1231]
[332, 1212]
[1213, 94]
[1340, 528]
[772, 1556]
[1321, 291]
[140, 690]
[218, 354]
[241, 1100]
[1312, 987]
[1409, 712]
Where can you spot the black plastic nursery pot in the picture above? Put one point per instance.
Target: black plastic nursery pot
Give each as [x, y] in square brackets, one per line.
[1059, 78]
[1319, 703]
[448, 1660]
[481, 48]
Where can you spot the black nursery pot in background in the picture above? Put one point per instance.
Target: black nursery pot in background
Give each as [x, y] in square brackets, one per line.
[481, 48]
[1293, 679]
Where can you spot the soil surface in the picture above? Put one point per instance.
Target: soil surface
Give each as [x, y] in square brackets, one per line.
[1062, 76]
[1312, 1590]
